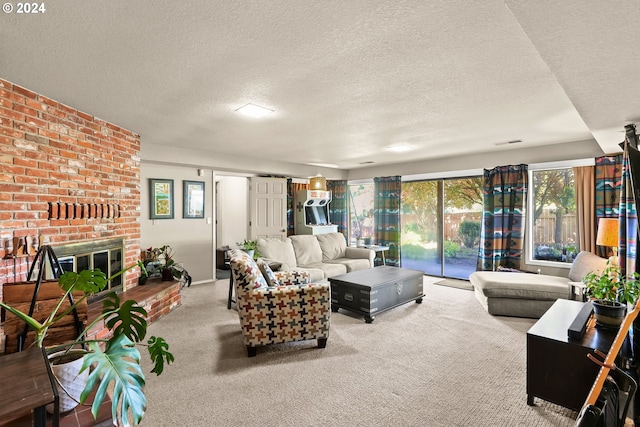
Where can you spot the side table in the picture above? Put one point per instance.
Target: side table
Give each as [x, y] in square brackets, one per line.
[378, 249]
[28, 384]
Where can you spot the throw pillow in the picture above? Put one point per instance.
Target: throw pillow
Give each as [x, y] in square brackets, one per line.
[267, 272]
[246, 272]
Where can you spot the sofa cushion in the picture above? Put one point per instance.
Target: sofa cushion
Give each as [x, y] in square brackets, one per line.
[278, 249]
[584, 263]
[267, 272]
[352, 264]
[497, 284]
[328, 270]
[333, 246]
[246, 273]
[307, 249]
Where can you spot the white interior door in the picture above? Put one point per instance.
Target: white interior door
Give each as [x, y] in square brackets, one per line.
[268, 206]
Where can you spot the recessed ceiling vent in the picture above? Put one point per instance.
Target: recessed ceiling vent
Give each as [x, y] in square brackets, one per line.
[513, 141]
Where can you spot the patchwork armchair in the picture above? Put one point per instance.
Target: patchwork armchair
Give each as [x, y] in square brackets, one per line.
[278, 307]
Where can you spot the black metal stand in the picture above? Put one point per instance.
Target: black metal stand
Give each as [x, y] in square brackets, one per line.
[45, 253]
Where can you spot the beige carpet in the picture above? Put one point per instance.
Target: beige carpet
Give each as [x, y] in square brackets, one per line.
[445, 362]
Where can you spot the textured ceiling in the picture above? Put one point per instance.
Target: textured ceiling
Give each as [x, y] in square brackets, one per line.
[345, 78]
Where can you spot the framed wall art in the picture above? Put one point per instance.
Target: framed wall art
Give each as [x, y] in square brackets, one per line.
[193, 199]
[161, 198]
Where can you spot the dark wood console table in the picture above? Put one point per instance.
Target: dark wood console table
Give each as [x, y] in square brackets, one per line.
[557, 367]
[27, 385]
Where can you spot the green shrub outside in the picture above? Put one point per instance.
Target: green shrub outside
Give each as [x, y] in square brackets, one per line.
[469, 232]
[451, 249]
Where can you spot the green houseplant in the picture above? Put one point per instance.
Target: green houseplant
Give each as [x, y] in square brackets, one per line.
[250, 247]
[160, 260]
[610, 292]
[114, 362]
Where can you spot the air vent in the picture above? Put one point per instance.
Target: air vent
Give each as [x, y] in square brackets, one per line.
[513, 141]
[366, 163]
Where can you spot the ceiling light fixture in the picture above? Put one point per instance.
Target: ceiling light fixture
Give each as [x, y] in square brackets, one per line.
[324, 165]
[255, 111]
[318, 182]
[400, 148]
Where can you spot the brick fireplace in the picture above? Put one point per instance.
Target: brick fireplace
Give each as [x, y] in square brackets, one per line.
[66, 177]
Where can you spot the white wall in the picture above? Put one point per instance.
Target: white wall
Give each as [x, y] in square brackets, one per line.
[233, 210]
[191, 239]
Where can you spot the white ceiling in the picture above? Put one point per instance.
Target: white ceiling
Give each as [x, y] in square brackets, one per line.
[345, 78]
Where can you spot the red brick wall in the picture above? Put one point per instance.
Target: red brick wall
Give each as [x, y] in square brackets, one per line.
[50, 154]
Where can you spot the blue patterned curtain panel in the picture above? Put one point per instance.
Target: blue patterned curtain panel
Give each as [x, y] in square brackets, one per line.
[628, 220]
[386, 214]
[338, 212]
[608, 181]
[502, 238]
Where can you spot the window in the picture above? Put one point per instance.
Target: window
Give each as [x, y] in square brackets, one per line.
[441, 221]
[552, 217]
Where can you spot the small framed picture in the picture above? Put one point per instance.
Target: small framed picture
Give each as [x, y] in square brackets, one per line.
[193, 195]
[161, 198]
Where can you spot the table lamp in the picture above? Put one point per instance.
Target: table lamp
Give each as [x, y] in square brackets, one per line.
[608, 236]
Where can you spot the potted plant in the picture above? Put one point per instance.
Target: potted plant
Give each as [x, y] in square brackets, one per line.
[610, 292]
[160, 260]
[110, 363]
[250, 247]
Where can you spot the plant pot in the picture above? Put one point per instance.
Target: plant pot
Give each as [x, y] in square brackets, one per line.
[609, 314]
[167, 275]
[70, 381]
[249, 252]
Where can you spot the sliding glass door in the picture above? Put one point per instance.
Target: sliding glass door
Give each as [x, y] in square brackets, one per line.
[441, 226]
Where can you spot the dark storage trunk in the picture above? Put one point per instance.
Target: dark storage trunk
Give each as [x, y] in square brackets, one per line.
[375, 290]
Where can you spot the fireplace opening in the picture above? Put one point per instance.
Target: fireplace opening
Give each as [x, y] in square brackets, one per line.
[107, 255]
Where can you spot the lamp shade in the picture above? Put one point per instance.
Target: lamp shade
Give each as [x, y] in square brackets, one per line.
[318, 183]
[607, 232]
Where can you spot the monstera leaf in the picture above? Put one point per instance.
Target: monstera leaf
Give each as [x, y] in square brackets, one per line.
[118, 365]
[87, 281]
[158, 350]
[128, 319]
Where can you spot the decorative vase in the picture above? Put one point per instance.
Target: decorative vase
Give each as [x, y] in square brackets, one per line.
[610, 314]
[70, 381]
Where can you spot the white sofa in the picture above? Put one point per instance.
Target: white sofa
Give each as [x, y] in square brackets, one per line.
[529, 295]
[322, 255]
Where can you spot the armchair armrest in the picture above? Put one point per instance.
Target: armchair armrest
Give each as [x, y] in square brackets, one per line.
[292, 277]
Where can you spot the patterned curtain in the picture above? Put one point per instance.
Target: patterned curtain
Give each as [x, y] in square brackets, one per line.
[292, 189]
[338, 209]
[386, 216]
[504, 194]
[628, 219]
[608, 182]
